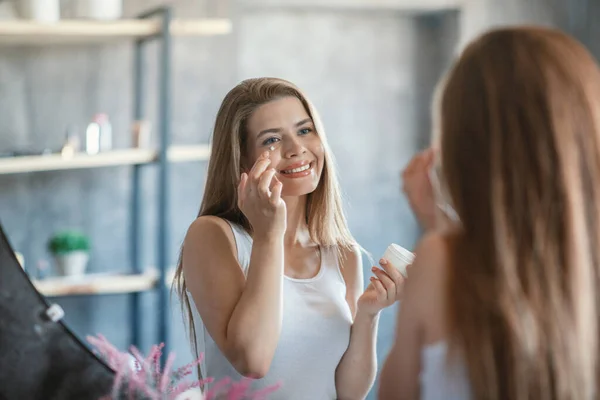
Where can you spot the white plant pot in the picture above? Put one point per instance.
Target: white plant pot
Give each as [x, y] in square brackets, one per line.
[191, 394]
[99, 9]
[46, 11]
[72, 264]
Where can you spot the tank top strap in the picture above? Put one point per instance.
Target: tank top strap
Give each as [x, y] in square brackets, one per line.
[331, 262]
[243, 244]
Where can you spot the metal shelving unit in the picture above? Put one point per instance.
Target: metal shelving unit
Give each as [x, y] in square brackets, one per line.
[155, 25]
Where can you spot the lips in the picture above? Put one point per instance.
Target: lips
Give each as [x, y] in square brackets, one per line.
[297, 170]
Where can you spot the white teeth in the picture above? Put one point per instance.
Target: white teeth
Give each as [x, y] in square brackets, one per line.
[293, 171]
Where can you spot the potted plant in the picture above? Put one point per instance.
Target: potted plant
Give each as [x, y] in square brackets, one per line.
[71, 252]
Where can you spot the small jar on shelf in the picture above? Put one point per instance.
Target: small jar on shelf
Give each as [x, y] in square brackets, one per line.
[45, 11]
[104, 10]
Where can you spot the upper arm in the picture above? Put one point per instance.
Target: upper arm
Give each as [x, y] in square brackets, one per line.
[400, 374]
[212, 274]
[352, 271]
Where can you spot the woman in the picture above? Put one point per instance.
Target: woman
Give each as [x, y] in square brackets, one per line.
[270, 274]
[502, 303]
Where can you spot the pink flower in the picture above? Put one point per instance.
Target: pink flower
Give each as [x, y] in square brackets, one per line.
[136, 375]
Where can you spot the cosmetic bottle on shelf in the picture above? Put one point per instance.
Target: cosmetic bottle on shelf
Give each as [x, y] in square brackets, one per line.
[98, 135]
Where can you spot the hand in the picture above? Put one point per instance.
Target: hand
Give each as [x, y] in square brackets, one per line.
[385, 288]
[259, 198]
[418, 189]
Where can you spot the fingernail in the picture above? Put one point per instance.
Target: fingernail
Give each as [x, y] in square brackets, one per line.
[374, 269]
[372, 278]
[383, 261]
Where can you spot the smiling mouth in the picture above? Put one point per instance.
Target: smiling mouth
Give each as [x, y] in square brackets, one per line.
[297, 170]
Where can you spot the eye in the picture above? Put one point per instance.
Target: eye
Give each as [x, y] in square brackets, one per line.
[305, 131]
[270, 141]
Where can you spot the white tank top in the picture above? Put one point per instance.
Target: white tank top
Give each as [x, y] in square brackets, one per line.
[315, 332]
[440, 380]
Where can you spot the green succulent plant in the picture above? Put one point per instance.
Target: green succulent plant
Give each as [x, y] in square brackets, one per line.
[68, 241]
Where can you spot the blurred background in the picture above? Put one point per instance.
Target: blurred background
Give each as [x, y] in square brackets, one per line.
[78, 170]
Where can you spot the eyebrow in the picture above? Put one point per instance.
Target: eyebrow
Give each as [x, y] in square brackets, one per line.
[275, 130]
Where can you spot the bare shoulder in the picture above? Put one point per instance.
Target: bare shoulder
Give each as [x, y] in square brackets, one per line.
[425, 290]
[350, 261]
[205, 227]
[208, 238]
[431, 256]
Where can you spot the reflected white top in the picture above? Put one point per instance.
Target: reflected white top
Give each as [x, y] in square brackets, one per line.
[440, 381]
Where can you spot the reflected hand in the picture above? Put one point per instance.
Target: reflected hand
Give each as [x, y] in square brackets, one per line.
[418, 189]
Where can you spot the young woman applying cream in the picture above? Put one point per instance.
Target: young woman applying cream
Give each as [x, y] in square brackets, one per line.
[270, 274]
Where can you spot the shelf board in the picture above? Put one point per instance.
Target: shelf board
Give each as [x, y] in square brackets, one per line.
[84, 31]
[403, 6]
[188, 153]
[55, 162]
[96, 284]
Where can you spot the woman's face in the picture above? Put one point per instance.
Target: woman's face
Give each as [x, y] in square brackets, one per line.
[284, 128]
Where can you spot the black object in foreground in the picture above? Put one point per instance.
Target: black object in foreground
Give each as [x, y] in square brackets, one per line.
[40, 358]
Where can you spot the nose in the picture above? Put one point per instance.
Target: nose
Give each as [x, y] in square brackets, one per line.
[293, 147]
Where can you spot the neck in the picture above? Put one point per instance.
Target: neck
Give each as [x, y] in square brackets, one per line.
[297, 228]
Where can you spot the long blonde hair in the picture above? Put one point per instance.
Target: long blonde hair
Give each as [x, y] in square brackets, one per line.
[520, 123]
[325, 217]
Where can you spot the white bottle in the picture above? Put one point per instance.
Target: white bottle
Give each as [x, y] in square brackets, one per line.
[92, 138]
[98, 135]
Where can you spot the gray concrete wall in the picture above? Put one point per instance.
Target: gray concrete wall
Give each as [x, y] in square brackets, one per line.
[369, 71]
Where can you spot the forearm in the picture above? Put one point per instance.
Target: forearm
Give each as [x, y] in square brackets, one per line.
[357, 370]
[255, 324]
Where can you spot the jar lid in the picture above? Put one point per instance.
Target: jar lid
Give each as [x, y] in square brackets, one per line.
[403, 254]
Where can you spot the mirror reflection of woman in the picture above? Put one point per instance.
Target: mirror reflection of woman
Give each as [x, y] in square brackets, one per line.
[270, 275]
[502, 298]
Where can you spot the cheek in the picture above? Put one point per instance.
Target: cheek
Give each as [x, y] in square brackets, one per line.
[275, 158]
[320, 154]
[316, 147]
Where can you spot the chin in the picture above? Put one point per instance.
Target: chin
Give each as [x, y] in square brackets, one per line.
[297, 190]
